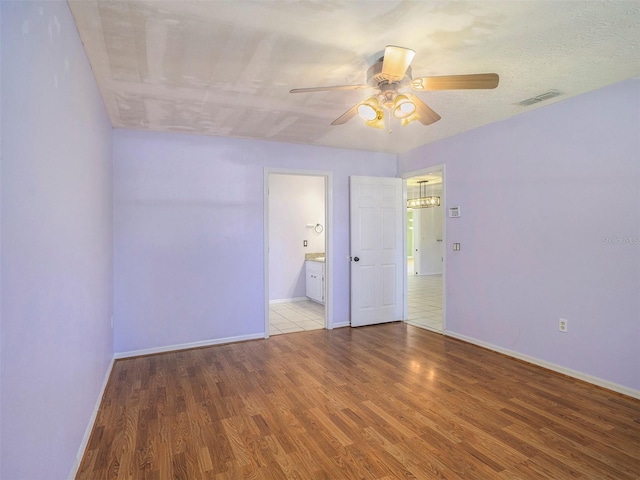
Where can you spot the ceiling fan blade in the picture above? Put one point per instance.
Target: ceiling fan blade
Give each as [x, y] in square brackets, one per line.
[427, 116]
[328, 89]
[346, 116]
[395, 62]
[456, 82]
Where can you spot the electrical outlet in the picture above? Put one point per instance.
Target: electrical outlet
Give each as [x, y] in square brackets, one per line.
[563, 326]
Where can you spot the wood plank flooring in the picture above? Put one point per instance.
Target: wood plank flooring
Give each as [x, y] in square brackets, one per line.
[382, 402]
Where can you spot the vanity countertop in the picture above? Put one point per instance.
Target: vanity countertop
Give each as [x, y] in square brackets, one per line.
[315, 257]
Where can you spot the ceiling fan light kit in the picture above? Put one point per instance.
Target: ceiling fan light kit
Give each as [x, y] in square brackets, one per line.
[403, 107]
[369, 109]
[378, 121]
[409, 119]
[392, 76]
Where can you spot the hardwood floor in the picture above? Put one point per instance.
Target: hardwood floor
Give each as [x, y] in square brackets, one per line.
[382, 402]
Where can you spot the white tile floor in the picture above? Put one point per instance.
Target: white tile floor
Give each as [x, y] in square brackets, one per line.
[295, 317]
[424, 294]
[425, 309]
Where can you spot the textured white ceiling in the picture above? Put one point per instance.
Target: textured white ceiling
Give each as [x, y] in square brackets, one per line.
[225, 68]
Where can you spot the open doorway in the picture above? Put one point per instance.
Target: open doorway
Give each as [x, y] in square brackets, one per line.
[425, 249]
[297, 251]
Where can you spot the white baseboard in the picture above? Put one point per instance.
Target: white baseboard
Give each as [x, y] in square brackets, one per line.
[341, 324]
[550, 366]
[288, 300]
[185, 346]
[92, 420]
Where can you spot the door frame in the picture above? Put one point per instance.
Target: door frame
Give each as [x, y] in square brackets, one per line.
[328, 268]
[443, 203]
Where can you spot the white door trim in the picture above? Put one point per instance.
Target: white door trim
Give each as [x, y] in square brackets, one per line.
[443, 203]
[328, 267]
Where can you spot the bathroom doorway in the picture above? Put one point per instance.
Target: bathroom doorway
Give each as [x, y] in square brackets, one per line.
[297, 241]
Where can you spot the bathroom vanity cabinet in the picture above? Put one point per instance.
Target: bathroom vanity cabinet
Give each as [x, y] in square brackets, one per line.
[315, 280]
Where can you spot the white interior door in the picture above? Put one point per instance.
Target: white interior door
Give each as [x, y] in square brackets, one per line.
[377, 262]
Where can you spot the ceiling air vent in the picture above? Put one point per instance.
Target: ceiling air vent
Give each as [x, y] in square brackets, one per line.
[539, 98]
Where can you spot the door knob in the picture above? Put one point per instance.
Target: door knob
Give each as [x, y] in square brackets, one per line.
[356, 259]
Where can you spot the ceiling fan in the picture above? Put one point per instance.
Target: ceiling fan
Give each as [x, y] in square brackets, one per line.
[391, 76]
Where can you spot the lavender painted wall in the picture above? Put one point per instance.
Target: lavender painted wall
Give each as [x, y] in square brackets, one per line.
[550, 223]
[295, 201]
[188, 232]
[1, 242]
[56, 341]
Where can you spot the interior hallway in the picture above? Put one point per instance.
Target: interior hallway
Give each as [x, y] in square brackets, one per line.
[424, 294]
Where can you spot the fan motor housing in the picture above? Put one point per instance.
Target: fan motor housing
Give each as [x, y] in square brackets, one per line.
[375, 76]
